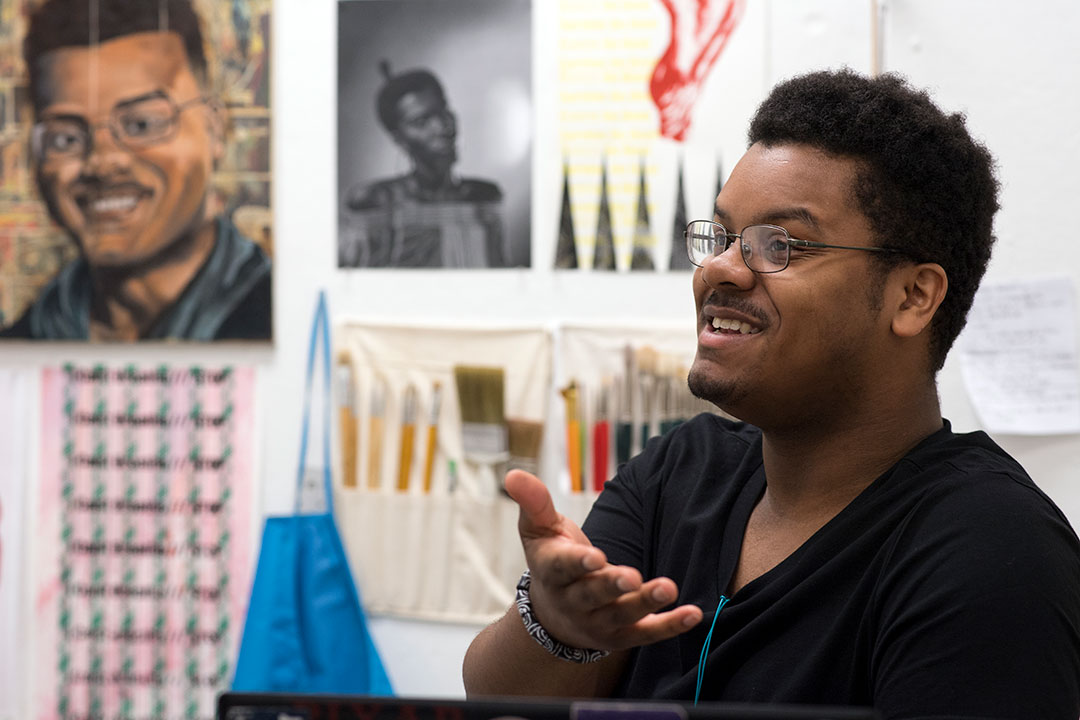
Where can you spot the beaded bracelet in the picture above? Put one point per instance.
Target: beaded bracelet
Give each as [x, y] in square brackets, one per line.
[540, 635]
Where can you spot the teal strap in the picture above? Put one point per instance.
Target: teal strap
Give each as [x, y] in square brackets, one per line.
[320, 329]
[705, 648]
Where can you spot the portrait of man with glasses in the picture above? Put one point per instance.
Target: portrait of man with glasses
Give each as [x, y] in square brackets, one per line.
[126, 137]
[838, 544]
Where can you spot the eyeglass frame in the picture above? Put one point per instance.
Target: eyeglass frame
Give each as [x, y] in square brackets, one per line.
[91, 128]
[790, 242]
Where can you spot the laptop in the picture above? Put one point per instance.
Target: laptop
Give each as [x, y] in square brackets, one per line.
[269, 706]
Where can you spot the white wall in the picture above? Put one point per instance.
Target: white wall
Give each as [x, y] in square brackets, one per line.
[1013, 68]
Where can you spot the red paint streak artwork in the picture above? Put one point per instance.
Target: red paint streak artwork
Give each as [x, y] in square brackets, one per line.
[700, 29]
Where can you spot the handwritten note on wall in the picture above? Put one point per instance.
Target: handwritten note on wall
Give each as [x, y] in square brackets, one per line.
[1019, 357]
[144, 538]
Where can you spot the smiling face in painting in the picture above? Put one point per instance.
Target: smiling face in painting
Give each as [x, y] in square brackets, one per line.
[125, 201]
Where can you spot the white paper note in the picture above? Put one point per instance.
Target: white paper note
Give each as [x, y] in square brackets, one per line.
[1019, 357]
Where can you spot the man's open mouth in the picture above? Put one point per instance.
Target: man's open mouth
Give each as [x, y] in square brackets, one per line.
[112, 205]
[732, 326]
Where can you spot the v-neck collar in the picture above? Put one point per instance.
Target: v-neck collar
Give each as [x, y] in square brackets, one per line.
[751, 493]
[735, 531]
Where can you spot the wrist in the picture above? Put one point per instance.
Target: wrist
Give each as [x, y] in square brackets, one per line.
[540, 634]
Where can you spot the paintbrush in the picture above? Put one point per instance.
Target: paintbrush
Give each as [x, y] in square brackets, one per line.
[601, 436]
[624, 427]
[667, 402]
[483, 423]
[573, 436]
[646, 364]
[408, 432]
[432, 434]
[525, 439]
[346, 396]
[375, 435]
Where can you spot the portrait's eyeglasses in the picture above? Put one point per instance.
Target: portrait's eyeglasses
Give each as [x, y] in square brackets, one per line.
[764, 248]
[135, 124]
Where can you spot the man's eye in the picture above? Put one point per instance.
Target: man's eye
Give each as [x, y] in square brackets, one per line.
[141, 126]
[776, 243]
[63, 141]
[775, 247]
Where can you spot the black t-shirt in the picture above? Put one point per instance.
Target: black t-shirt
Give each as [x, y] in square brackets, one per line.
[949, 588]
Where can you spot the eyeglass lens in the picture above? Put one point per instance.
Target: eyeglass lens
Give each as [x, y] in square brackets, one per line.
[764, 248]
[135, 125]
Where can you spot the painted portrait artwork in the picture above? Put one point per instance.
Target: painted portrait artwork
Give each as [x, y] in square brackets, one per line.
[135, 170]
[434, 138]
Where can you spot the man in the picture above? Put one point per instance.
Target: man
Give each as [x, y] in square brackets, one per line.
[428, 217]
[124, 146]
[846, 548]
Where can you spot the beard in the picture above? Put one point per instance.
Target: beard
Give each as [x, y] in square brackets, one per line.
[720, 392]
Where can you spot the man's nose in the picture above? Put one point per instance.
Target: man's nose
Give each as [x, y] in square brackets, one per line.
[445, 122]
[105, 154]
[728, 267]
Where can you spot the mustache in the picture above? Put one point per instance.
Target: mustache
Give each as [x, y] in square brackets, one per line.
[737, 303]
[90, 186]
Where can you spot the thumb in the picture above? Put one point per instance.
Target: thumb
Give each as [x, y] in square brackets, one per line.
[538, 514]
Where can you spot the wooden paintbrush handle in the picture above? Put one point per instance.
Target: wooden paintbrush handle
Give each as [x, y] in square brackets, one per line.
[347, 419]
[374, 468]
[405, 462]
[429, 457]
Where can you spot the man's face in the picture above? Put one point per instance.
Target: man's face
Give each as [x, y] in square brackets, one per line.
[808, 337]
[426, 128]
[127, 205]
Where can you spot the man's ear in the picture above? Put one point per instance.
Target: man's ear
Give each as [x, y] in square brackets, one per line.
[924, 287]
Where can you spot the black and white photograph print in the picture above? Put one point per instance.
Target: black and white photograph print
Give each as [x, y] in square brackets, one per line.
[434, 133]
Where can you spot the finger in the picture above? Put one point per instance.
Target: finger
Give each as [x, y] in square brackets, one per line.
[603, 587]
[655, 627]
[649, 598]
[538, 515]
[559, 561]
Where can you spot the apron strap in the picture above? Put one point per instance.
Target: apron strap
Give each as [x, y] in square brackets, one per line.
[320, 330]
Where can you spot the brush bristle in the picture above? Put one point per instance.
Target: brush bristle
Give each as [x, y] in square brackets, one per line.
[525, 438]
[480, 393]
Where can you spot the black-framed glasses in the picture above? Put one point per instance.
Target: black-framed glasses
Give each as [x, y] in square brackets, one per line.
[764, 248]
[135, 124]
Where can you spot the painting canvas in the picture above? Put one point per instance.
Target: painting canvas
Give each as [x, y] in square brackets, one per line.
[434, 133]
[143, 526]
[651, 100]
[135, 170]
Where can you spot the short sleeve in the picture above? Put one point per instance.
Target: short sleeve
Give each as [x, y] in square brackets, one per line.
[616, 524]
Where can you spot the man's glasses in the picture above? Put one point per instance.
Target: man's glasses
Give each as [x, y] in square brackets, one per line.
[764, 248]
[135, 124]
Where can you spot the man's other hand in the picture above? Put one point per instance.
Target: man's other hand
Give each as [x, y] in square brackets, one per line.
[579, 597]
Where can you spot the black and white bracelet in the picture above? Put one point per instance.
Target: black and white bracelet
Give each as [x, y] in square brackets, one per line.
[540, 635]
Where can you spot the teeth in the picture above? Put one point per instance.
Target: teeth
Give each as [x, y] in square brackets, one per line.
[116, 203]
[733, 325]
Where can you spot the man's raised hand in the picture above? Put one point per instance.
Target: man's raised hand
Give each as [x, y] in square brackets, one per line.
[577, 595]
